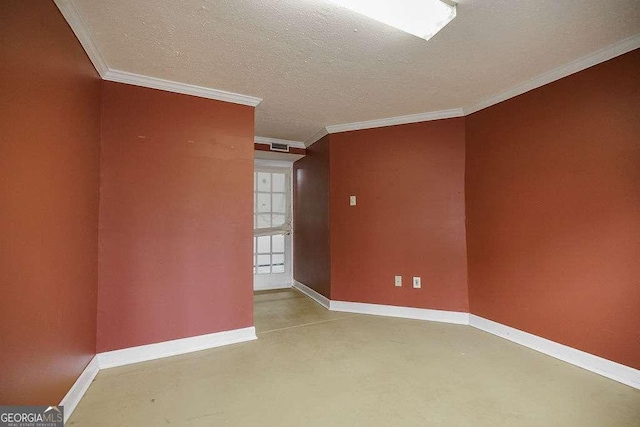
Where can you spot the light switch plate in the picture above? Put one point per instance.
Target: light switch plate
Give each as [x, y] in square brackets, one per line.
[352, 200]
[417, 283]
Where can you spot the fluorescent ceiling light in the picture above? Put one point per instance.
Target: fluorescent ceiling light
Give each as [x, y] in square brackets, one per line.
[422, 18]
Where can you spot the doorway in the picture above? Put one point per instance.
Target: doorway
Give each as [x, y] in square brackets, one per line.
[272, 225]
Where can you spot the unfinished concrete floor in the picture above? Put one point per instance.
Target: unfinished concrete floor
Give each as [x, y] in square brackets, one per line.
[312, 367]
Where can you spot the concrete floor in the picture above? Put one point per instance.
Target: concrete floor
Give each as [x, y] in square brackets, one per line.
[313, 367]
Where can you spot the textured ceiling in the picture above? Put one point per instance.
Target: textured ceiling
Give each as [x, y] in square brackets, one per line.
[316, 64]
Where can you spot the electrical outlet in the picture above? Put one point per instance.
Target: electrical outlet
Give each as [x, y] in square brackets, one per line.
[398, 281]
[352, 200]
[417, 284]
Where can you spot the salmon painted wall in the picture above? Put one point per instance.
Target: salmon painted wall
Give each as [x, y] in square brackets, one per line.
[409, 217]
[175, 217]
[553, 211]
[49, 171]
[311, 262]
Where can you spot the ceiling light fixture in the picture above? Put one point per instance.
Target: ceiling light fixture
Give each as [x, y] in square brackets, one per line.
[422, 18]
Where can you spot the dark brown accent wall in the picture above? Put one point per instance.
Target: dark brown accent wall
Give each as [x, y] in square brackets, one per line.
[175, 217]
[49, 171]
[409, 216]
[311, 260]
[553, 211]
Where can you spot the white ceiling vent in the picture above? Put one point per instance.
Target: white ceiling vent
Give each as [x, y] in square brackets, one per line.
[277, 146]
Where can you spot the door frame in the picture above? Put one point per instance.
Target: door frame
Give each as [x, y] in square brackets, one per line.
[279, 165]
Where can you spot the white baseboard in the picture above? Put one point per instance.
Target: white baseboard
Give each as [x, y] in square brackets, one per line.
[79, 388]
[456, 317]
[272, 287]
[126, 356]
[606, 368]
[612, 370]
[320, 299]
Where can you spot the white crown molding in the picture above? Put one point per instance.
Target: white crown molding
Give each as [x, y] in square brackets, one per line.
[79, 28]
[389, 121]
[320, 299]
[126, 356]
[316, 137]
[267, 163]
[79, 388]
[612, 370]
[75, 21]
[183, 88]
[595, 58]
[294, 144]
[399, 120]
[455, 317]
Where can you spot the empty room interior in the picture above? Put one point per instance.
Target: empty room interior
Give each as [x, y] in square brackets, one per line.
[320, 212]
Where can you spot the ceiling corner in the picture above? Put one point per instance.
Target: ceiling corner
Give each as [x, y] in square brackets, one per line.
[75, 21]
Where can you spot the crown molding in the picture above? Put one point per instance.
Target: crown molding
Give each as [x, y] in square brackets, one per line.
[316, 137]
[271, 163]
[595, 58]
[183, 88]
[399, 120]
[294, 144]
[389, 121]
[79, 28]
[75, 21]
